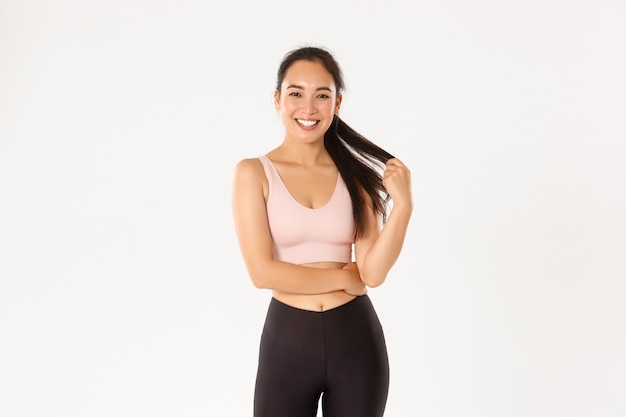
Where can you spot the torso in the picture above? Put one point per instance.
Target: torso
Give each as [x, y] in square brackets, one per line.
[317, 193]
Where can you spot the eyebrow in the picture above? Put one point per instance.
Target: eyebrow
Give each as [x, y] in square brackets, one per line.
[302, 88]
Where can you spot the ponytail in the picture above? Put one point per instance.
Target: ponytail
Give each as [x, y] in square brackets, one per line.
[360, 163]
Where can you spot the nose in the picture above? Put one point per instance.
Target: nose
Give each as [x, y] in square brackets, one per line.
[309, 105]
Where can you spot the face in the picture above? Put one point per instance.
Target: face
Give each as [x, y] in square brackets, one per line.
[307, 101]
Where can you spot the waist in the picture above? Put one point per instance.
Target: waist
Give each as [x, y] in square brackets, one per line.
[316, 302]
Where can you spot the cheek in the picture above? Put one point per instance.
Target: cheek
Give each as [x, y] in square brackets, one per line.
[287, 107]
[329, 108]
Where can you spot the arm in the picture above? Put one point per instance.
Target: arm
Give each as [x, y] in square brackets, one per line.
[377, 252]
[255, 243]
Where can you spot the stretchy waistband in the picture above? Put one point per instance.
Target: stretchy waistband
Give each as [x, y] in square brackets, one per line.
[322, 334]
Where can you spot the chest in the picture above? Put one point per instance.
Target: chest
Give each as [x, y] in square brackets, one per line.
[312, 188]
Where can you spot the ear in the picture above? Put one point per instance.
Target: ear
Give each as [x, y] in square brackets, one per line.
[277, 100]
[338, 103]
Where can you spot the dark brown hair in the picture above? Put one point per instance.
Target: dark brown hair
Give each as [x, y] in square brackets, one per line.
[359, 161]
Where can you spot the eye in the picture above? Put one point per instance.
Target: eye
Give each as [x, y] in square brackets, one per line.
[294, 94]
[323, 96]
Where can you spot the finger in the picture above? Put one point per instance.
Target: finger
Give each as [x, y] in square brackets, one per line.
[394, 162]
[393, 171]
[397, 171]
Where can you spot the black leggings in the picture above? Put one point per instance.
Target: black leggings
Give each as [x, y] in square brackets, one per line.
[340, 353]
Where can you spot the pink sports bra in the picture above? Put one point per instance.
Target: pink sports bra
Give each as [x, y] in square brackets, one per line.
[303, 235]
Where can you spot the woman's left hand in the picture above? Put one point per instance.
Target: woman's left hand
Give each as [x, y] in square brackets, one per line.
[397, 182]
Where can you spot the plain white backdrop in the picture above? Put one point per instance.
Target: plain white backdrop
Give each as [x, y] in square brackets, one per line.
[122, 291]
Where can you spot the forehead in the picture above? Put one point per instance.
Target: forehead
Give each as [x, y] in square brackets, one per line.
[308, 73]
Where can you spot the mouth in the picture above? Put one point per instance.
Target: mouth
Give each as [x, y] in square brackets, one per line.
[307, 123]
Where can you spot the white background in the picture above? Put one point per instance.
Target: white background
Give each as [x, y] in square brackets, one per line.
[122, 291]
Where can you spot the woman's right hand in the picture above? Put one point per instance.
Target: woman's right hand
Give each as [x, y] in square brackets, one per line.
[354, 285]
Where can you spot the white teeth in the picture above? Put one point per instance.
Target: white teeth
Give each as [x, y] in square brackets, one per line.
[307, 123]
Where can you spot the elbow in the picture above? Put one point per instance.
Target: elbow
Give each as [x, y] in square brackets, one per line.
[371, 275]
[258, 278]
[373, 280]
[258, 283]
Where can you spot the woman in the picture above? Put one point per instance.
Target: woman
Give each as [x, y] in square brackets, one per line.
[299, 211]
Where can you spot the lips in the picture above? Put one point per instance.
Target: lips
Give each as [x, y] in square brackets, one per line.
[307, 123]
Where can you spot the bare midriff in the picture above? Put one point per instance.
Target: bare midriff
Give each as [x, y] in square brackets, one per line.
[316, 302]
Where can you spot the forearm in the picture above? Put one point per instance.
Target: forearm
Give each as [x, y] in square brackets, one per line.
[376, 263]
[296, 279]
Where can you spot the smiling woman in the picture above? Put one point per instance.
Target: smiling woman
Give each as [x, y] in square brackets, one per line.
[299, 211]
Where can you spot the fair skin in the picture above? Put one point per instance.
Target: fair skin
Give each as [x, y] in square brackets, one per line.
[307, 102]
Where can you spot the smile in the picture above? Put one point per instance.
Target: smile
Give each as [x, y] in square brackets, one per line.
[307, 123]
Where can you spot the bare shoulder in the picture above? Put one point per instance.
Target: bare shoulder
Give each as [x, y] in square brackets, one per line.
[248, 164]
[249, 173]
[249, 168]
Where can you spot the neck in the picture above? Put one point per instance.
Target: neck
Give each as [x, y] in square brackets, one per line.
[304, 153]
